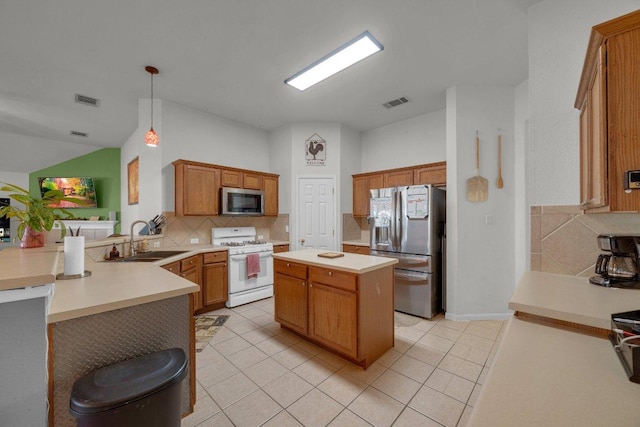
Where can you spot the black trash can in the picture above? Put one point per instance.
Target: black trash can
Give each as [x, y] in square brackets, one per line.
[144, 391]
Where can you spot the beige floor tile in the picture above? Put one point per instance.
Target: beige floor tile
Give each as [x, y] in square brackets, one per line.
[241, 326]
[347, 418]
[459, 388]
[315, 370]
[207, 355]
[292, 357]
[410, 334]
[426, 354]
[425, 325]
[332, 359]
[223, 334]
[434, 341]
[477, 356]
[402, 344]
[483, 330]
[342, 387]
[251, 312]
[437, 406]
[483, 375]
[397, 386]
[451, 363]
[247, 357]
[231, 390]
[273, 345]
[413, 368]
[287, 389]
[476, 341]
[315, 409]
[264, 372]
[439, 380]
[215, 372]
[264, 319]
[204, 408]
[257, 335]
[309, 347]
[253, 410]
[411, 418]
[464, 419]
[218, 420]
[454, 324]
[474, 395]
[389, 358]
[233, 345]
[376, 407]
[469, 370]
[444, 332]
[367, 376]
[282, 419]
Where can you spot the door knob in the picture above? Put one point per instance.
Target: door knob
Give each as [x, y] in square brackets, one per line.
[302, 241]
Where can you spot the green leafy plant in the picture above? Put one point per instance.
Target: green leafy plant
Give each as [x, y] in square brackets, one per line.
[37, 214]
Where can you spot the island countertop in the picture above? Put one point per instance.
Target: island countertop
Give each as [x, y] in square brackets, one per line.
[353, 263]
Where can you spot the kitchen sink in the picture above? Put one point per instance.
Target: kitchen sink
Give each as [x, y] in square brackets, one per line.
[151, 256]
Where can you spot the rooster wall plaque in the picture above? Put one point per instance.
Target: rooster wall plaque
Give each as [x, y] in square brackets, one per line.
[316, 150]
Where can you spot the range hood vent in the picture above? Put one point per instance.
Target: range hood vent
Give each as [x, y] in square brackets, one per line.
[78, 133]
[396, 102]
[87, 100]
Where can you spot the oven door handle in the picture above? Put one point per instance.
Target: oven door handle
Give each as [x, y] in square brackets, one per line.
[412, 277]
[244, 256]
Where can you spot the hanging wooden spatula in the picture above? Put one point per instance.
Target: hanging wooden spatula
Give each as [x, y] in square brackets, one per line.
[500, 182]
[477, 186]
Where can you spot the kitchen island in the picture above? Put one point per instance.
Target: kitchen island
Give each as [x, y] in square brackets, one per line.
[121, 311]
[344, 304]
[554, 367]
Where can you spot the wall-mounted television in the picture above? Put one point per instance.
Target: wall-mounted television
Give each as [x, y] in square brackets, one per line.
[77, 187]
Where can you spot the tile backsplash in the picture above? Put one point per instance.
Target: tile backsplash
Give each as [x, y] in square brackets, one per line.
[180, 230]
[563, 239]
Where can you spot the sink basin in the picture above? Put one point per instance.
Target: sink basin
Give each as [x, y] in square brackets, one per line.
[152, 256]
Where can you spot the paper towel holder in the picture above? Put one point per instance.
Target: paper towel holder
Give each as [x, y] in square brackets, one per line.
[62, 276]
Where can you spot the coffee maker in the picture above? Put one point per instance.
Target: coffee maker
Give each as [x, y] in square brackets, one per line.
[619, 267]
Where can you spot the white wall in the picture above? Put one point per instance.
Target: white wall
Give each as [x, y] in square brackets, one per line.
[410, 142]
[558, 36]
[21, 180]
[521, 183]
[349, 165]
[480, 256]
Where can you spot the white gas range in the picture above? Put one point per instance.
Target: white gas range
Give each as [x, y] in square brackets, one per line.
[246, 286]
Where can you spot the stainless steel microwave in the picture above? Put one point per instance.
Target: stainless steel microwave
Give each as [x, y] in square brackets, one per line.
[239, 201]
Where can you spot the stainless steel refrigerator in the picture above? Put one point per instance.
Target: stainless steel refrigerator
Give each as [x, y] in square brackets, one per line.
[407, 223]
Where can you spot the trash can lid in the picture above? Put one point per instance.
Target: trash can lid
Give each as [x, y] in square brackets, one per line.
[127, 381]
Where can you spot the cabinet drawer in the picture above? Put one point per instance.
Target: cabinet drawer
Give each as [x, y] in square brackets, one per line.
[211, 257]
[188, 263]
[290, 268]
[173, 267]
[335, 278]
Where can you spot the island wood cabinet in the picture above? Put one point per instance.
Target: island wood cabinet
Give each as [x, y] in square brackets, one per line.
[347, 313]
[215, 277]
[280, 248]
[356, 249]
[197, 187]
[609, 102]
[431, 173]
[189, 268]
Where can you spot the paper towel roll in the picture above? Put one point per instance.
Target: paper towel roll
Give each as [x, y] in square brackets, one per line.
[73, 255]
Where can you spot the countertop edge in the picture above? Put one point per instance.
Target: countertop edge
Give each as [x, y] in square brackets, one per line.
[333, 263]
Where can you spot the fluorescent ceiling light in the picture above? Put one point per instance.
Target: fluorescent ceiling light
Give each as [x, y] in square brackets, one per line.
[346, 55]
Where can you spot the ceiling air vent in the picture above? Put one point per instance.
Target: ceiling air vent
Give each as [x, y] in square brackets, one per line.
[87, 100]
[396, 102]
[78, 133]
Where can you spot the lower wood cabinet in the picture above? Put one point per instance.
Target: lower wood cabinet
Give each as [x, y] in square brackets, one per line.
[280, 248]
[356, 249]
[215, 280]
[189, 268]
[347, 313]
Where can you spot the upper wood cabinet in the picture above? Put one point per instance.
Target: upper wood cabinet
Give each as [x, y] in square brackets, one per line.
[197, 187]
[431, 173]
[609, 103]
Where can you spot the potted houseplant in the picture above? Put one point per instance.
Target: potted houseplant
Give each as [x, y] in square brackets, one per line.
[37, 215]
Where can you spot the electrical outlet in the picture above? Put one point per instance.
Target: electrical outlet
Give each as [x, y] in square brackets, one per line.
[260, 237]
[488, 219]
[195, 241]
[286, 228]
[156, 244]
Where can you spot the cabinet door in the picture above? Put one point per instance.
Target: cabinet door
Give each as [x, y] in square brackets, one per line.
[196, 190]
[193, 275]
[593, 142]
[436, 174]
[214, 283]
[270, 195]
[291, 302]
[252, 181]
[333, 318]
[398, 178]
[361, 187]
[230, 178]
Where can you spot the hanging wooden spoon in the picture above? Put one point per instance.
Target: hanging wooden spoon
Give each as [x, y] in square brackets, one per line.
[500, 182]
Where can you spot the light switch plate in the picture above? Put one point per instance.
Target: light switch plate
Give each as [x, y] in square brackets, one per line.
[195, 241]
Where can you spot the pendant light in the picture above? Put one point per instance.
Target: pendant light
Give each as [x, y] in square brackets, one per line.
[151, 137]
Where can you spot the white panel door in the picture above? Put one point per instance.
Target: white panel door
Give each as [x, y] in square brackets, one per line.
[316, 216]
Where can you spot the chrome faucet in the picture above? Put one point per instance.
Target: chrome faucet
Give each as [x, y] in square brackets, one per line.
[132, 248]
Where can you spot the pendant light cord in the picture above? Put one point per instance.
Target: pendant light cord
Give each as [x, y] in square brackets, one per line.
[151, 100]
